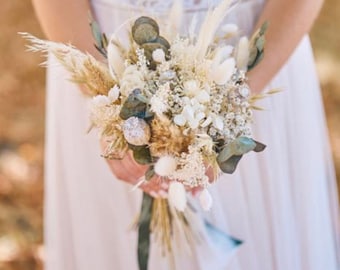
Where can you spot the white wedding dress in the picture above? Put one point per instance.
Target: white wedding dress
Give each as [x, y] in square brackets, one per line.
[282, 203]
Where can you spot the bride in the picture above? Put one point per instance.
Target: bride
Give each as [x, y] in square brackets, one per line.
[282, 203]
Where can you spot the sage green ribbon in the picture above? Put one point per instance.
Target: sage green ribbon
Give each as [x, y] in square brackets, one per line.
[144, 232]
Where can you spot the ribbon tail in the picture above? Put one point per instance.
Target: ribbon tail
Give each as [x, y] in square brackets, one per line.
[144, 232]
[220, 238]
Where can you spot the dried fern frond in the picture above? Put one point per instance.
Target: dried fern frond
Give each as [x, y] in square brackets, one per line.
[84, 68]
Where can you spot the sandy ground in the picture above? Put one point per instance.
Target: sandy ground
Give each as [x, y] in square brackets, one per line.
[22, 98]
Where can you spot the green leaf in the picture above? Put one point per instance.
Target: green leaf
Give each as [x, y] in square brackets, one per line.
[238, 147]
[252, 55]
[259, 147]
[257, 47]
[229, 166]
[257, 60]
[260, 43]
[96, 33]
[264, 28]
[135, 105]
[141, 154]
[144, 232]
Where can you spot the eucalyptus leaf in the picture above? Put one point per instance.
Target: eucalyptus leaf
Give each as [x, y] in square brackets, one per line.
[257, 47]
[135, 105]
[144, 232]
[239, 146]
[264, 28]
[229, 166]
[260, 43]
[96, 33]
[252, 55]
[141, 154]
[259, 147]
[257, 60]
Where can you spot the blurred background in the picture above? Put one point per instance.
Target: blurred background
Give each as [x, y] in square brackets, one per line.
[22, 101]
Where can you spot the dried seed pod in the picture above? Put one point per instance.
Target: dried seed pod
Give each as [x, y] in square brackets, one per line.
[145, 30]
[136, 131]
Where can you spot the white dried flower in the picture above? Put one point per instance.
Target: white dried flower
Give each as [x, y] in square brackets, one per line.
[177, 195]
[206, 200]
[180, 120]
[221, 54]
[203, 96]
[244, 91]
[207, 122]
[132, 79]
[136, 131]
[158, 55]
[165, 165]
[230, 29]
[100, 100]
[222, 73]
[113, 94]
[191, 87]
[157, 105]
[242, 55]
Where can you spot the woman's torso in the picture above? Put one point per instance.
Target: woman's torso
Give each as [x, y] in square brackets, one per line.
[112, 13]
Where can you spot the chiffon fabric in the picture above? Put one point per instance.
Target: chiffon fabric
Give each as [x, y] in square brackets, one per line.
[282, 203]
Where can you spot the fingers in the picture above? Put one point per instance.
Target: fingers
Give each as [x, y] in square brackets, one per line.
[127, 169]
[156, 187]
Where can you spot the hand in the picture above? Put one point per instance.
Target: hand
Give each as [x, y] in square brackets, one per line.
[129, 171]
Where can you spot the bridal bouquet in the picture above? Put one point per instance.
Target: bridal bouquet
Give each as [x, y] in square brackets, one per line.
[180, 104]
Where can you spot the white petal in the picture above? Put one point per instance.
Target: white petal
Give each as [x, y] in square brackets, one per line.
[193, 123]
[180, 120]
[191, 87]
[230, 29]
[158, 55]
[113, 93]
[100, 100]
[242, 56]
[206, 200]
[222, 73]
[165, 166]
[218, 123]
[221, 54]
[177, 196]
[207, 122]
[200, 116]
[188, 112]
[203, 96]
